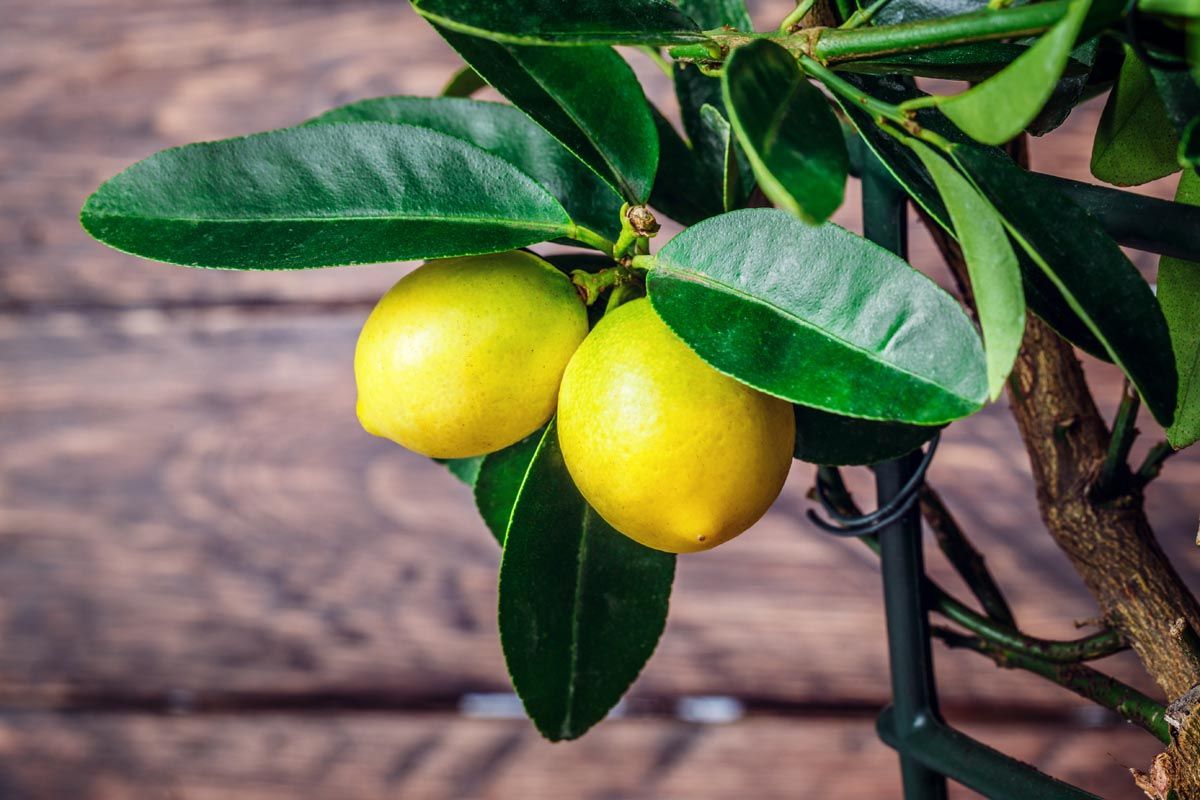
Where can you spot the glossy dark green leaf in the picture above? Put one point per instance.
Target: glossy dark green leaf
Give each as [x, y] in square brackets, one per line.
[694, 90]
[1042, 297]
[819, 316]
[834, 440]
[322, 196]
[712, 14]
[998, 109]
[1069, 91]
[1188, 154]
[553, 21]
[465, 469]
[729, 167]
[1135, 141]
[684, 190]
[505, 132]
[991, 265]
[1179, 295]
[789, 132]
[463, 83]
[1180, 95]
[898, 11]
[604, 120]
[498, 480]
[1087, 267]
[581, 605]
[971, 62]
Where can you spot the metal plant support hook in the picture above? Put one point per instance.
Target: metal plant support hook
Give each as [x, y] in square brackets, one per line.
[881, 517]
[930, 750]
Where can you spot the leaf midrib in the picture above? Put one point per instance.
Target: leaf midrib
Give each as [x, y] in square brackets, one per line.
[365, 218]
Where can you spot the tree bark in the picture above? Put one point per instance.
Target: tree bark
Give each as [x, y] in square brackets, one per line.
[1109, 543]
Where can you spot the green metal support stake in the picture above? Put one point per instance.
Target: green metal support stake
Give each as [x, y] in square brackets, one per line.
[930, 750]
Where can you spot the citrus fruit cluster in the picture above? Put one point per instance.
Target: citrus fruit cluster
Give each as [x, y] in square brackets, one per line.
[466, 356]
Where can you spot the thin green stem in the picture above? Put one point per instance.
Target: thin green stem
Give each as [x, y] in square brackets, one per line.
[661, 61]
[1114, 472]
[863, 15]
[1101, 689]
[591, 285]
[848, 91]
[837, 44]
[792, 20]
[642, 262]
[590, 238]
[964, 557]
[1152, 464]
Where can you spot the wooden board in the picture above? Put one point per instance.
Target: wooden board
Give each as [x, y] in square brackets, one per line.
[187, 504]
[440, 757]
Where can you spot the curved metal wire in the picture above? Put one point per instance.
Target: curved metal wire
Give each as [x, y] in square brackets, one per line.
[861, 525]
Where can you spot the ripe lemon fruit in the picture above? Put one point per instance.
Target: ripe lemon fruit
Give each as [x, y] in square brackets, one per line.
[666, 449]
[463, 356]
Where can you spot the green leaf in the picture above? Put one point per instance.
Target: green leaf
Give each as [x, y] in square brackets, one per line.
[1179, 294]
[1041, 295]
[555, 22]
[465, 469]
[999, 108]
[732, 174]
[581, 605]
[1069, 90]
[1188, 154]
[498, 481]
[837, 441]
[790, 134]
[1135, 141]
[604, 120]
[1103, 288]
[713, 14]
[819, 316]
[463, 83]
[898, 11]
[684, 189]
[969, 62]
[322, 196]
[991, 265]
[505, 132]
[1180, 95]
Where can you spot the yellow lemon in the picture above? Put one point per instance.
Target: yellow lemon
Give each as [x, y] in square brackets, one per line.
[667, 450]
[463, 356]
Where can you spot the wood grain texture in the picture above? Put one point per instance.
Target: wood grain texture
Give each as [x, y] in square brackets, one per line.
[440, 757]
[187, 504]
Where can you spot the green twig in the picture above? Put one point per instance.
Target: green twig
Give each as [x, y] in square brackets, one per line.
[1152, 464]
[962, 555]
[590, 238]
[792, 20]
[1101, 689]
[863, 15]
[1114, 472]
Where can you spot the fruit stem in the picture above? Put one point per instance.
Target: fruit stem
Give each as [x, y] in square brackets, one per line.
[590, 238]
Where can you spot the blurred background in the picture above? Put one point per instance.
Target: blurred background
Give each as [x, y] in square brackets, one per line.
[214, 584]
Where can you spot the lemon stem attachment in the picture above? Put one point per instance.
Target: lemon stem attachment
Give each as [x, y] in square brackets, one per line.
[591, 285]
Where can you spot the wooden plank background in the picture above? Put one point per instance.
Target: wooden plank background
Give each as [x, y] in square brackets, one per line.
[215, 585]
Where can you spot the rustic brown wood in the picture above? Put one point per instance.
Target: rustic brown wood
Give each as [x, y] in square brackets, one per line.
[441, 757]
[189, 509]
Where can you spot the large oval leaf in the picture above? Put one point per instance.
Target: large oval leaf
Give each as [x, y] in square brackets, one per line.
[555, 22]
[605, 120]
[581, 605]
[837, 441]
[999, 108]
[1179, 294]
[819, 316]
[991, 265]
[712, 14]
[322, 196]
[789, 132]
[1135, 141]
[503, 131]
[498, 480]
[1087, 267]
